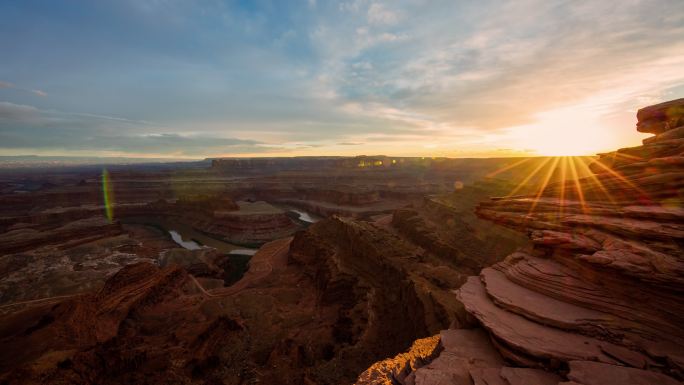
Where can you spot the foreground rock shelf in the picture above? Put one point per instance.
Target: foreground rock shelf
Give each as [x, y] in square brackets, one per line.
[599, 298]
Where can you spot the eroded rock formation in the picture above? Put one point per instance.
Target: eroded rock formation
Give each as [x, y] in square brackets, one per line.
[599, 299]
[350, 290]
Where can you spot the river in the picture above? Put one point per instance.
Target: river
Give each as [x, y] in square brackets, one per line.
[304, 216]
[184, 234]
[190, 245]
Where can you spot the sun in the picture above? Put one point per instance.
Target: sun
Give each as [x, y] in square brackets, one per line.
[562, 145]
[564, 132]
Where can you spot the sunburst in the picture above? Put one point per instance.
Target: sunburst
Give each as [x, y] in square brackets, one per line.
[544, 184]
[531, 175]
[572, 183]
[578, 186]
[583, 163]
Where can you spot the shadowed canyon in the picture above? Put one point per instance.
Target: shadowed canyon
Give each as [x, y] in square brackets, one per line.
[342, 270]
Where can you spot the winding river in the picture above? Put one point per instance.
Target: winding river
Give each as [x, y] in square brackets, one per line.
[304, 216]
[190, 245]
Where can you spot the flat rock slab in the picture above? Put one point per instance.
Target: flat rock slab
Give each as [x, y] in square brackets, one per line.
[565, 240]
[525, 335]
[525, 376]
[513, 376]
[464, 350]
[537, 306]
[652, 313]
[550, 311]
[628, 227]
[471, 344]
[594, 373]
[487, 376]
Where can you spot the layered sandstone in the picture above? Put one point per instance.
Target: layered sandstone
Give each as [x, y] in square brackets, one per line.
[143, 326]
[446, 225]
[599, 298]
[322, 306]
[321, 311]
[319, 308]
[245, 223]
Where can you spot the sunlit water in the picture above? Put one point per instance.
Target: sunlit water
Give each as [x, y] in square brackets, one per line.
[190, 245]
[303, 216]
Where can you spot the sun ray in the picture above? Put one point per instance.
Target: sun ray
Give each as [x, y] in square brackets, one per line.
[506, 168]
[620, 178]
[578, 187]
[529, 176]
[561, 202]
[547, 178]
[627, 156]
[583, 163]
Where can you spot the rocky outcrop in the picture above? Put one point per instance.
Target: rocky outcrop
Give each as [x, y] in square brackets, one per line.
[247, 229]
[599, 298]
[22, 237]
[88, 319]
[446, 226]
[460, 357]
[606, 278]
[318, 308]
[47, 259]
[141, 327]
[421, 352]
[385, 294]
[248, 223]
[659, 118]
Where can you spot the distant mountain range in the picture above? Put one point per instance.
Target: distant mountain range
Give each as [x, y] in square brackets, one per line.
[60, 161]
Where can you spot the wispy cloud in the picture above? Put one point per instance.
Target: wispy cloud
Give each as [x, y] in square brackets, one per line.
[4, 84]
[399, 77]
[379, 13]
[496, 66]
[25, 127]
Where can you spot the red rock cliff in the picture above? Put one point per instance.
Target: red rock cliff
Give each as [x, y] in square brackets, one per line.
[599, 300]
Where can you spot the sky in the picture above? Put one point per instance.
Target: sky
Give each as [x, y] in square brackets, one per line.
[196, 79]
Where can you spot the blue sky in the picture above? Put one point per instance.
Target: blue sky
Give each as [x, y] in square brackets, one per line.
[180, 78]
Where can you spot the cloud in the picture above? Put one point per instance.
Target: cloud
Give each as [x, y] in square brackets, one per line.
[378, 13]
[27, 127]
[519, 59]
[177, 144]
[351, 6]
[389, 77]
[16, 111]
[12, 86]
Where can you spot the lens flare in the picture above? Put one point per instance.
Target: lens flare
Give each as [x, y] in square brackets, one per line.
[575, 179]
[107, 194]
[561, 198]
[506, 168]
[544, 184]
[531, 175]
[578, 187]
[597, 182]
[620, 178]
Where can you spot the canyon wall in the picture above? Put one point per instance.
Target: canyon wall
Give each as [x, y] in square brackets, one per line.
[599, 298]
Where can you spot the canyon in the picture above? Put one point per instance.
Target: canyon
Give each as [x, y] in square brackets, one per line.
[340, 270]
[596, 300]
